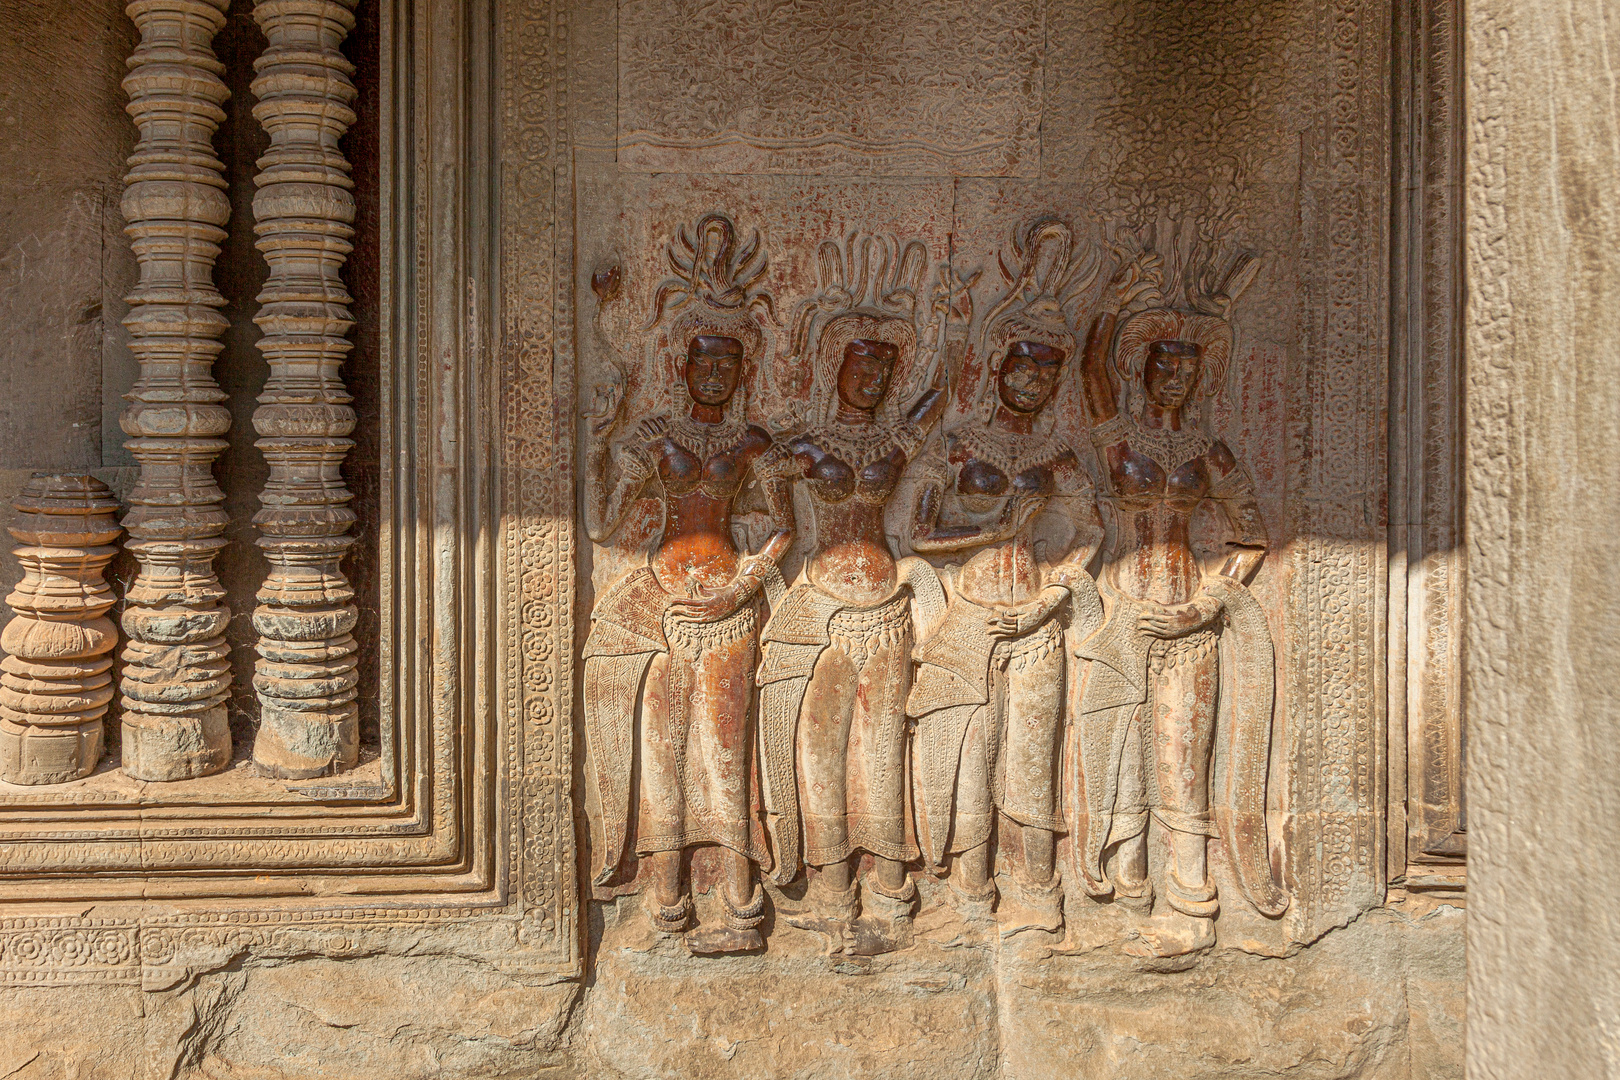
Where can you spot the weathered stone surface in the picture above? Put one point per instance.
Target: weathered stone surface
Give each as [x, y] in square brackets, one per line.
[1258, 123]
[844, 87]
[1543, 230]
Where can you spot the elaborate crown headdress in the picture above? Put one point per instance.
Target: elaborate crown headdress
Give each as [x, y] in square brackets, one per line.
[716, 291]
[879, 289]
[1192, 280]
[1045, 284]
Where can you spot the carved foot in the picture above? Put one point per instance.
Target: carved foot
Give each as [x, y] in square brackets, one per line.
[1171, 934]
[1033, 907]
[823, 911]
[1134, 895]
[885, 922]
[667, 920]
[723, 940]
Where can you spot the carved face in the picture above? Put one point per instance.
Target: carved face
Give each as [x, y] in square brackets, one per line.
[863, 380]
[1029, 376]
[1170, 373]
[714, 367]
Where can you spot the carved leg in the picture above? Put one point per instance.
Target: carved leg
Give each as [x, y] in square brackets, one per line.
[1034, 707]
[1183, 728]
[743, 903]
[1129, 873]
[888, 896]
[831, 902]
[668, 906]
[970, 877]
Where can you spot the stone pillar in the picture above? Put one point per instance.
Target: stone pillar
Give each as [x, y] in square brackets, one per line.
[176, 675]
[56, 679]
[308, 722]
[1543, 475]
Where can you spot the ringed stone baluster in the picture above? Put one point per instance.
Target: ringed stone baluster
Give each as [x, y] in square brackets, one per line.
[304, 213]
[176, 676]
[56, 679]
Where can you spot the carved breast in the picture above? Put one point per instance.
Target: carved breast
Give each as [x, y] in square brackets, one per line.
[833, 480]
[683, 473]
[984, 480]
[1139, 481]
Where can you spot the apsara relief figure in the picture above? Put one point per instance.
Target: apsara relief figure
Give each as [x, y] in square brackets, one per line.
[1148, 723]
[989, 692]
[836, 658]
[669, 664]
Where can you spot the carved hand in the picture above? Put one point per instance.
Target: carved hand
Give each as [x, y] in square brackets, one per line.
[711, 606]
[1178, 620]
[1020, 620]
[607, 400]
[1139, 276]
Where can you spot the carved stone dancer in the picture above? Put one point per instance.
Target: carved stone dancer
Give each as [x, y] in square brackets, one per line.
[1148, 713]
[669, 664]
[306, 674]
[989, 690]
[56, 679]
[836, 664]
[176, 676]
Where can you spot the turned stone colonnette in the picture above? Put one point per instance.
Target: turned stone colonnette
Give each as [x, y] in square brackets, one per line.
[304, 212]
[176, 676]
[56, 677]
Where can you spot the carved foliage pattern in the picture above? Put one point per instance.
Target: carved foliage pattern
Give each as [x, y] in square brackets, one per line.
[935, 87]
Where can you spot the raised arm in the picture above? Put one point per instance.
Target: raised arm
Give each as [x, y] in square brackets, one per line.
[1102, 397]
[614, 478]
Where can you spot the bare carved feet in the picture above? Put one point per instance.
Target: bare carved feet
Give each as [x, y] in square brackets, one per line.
[1171, 934]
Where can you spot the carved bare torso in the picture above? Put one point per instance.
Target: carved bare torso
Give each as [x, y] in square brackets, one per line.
[1152, 503]
[696, 548]
[851, 560]
[1006, 573]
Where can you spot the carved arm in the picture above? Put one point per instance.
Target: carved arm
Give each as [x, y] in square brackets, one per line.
[1233, 492]
[929, 537]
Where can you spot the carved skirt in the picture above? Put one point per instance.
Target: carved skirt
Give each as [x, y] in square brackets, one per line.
[1009, 754]
[1165, 769]
[850, 745]
[696, 740]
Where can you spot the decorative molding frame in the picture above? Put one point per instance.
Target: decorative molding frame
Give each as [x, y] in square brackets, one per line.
[1428, 565]
[465, 823]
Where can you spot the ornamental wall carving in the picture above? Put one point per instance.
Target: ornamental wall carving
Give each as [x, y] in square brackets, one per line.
[982, 540]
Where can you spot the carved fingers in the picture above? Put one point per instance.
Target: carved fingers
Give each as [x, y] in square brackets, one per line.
[607, 400]
[1177, 620]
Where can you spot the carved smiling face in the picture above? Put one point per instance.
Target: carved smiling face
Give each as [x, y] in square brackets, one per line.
[714, 368]
[1029, 376]
[1170, 373]
[863, 379]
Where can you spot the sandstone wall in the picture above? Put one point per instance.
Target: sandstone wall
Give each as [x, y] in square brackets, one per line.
[1268, 124]
[1541, 459]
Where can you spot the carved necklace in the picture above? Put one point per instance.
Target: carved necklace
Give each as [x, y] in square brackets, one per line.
[1010, 452]
[857, 445]
[1169, 448]
[702, 440]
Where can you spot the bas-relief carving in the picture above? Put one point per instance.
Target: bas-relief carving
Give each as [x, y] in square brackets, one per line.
[930, 88]
[1054, 611]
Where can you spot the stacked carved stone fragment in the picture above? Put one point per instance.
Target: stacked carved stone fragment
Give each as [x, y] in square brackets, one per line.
[176, 676]
[56, 679]
[305, 213]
